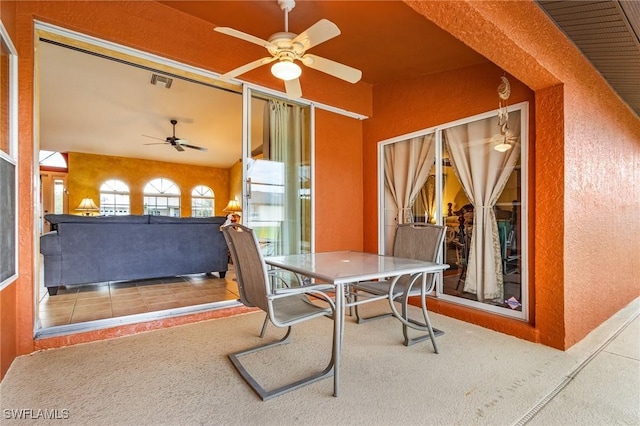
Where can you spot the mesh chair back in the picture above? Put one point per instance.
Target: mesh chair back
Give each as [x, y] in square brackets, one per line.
[250, 269]
[419, 241]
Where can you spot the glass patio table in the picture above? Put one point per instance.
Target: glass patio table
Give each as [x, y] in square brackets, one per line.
[342, 268]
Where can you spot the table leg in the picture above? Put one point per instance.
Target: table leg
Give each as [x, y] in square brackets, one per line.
[338, 333]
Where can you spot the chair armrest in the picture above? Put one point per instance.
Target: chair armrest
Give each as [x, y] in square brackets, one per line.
[275, 272]
[314, 290]
[304, 289]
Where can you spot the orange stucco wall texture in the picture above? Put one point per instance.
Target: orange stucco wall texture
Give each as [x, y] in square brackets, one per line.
[87, 172]
[338, 149]
[408, 106]
[16, 318]
[587, 149]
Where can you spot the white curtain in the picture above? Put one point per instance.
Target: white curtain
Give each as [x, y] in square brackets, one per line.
[406, 168]
[483, 173]
[428, 196]
[286, 125]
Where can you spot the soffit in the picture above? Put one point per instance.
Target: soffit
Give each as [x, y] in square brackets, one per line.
[608, 34]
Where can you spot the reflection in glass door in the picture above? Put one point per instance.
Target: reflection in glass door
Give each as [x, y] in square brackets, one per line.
[277, 175]
[474, 184]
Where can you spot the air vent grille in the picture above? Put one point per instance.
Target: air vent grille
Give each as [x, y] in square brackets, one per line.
[161, 81]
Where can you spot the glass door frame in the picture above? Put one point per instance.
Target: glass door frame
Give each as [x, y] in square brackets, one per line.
[523, 107]
[248, 91]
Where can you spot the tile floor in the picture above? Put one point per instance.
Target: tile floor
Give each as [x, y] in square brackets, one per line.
[76, 304]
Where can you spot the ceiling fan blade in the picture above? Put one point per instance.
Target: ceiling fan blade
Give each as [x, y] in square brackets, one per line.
[199, 148]
[336, 69]
[246, 68]
[155, 143]
[178, 147]
[319, 32]
[293, 89]
[244, 36]
[153, 137]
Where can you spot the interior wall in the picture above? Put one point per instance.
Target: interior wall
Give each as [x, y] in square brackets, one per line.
[235, 182]
[87, 172]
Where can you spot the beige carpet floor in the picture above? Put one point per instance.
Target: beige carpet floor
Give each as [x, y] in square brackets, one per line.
[182, 376]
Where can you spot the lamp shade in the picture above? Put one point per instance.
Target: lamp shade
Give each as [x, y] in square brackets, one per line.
[233, 207]
[87, 205]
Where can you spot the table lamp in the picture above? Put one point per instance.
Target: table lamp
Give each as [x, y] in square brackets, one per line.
[87, 206]
[234, 208]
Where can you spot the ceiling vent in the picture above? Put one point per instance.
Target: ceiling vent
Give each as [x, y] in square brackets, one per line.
[161, 81]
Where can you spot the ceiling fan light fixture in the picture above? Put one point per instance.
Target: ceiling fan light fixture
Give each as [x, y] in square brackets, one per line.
[286, 70]
[503, 146]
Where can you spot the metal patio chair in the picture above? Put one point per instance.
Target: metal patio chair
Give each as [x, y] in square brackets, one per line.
[285, 307]
[420, 241]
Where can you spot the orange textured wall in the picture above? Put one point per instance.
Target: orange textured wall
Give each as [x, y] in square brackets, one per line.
[8, 311]
[87, 172]
[587, 149]
[16, 301]
[338, 182]
[409, 106]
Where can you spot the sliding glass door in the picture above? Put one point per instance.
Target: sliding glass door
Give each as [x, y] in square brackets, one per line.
[470, 176]
[277, 171]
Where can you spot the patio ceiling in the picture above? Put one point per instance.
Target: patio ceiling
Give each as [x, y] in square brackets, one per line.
[374, 38]
[608, 34]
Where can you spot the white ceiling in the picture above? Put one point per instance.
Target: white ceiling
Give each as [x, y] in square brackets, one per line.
[95, 105]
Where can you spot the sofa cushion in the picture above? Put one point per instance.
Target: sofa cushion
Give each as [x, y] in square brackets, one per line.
[214, 220]
[56, 219]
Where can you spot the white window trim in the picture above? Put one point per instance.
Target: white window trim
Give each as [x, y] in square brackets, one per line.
[12, 155]
[204, 197]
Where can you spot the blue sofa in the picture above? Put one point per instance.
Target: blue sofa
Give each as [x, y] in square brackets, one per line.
[85, 249]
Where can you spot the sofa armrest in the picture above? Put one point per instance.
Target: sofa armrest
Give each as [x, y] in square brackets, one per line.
[50, 244]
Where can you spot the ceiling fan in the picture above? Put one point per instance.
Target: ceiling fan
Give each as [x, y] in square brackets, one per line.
[176, 142]
[286, 48]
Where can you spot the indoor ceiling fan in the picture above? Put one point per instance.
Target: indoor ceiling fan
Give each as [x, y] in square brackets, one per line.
[286, 48]
[176, 142]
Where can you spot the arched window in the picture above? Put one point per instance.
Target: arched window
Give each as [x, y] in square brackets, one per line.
[162, 198]
[52, 159]
[114, 198]
[202, 201]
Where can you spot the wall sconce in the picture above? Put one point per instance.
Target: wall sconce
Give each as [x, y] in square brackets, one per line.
[234, 208]
[87, 206]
